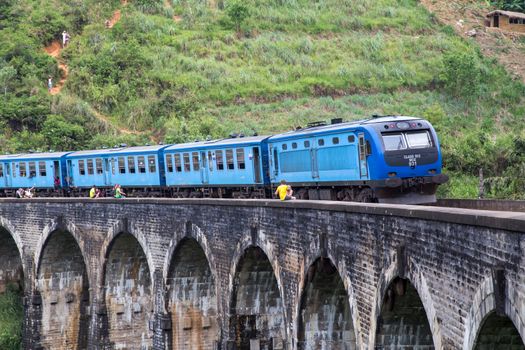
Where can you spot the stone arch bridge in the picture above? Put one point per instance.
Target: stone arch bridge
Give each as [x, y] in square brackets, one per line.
[262, 274]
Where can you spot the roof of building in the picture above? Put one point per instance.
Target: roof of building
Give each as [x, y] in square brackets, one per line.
[507, 13]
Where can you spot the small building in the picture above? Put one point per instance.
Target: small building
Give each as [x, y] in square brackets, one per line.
[507, 20]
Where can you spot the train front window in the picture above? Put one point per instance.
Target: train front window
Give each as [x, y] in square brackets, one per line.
[419, 139]
[394, 142]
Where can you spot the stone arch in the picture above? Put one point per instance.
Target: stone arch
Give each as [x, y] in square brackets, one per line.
[12, 266]
[483, 306]
[62, 289]
[266, 272]
[127, 292]
[191, 297]
[335, 328]
[414, 277]
[8, 226]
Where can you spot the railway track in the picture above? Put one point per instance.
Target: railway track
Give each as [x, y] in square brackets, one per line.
[483, 204]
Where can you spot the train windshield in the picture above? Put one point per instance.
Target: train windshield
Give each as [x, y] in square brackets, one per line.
[404, 140]
[394, 142]
[419, 140]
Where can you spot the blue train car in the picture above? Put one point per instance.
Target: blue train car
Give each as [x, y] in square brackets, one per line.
[38, 170]
[235, 167]
[140, 170]
[391, 159]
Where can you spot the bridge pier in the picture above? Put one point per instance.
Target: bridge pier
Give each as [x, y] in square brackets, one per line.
[209, 274]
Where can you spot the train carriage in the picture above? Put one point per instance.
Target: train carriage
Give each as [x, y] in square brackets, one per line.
[139, 169]
[234, 167]
[38, 170]
[392, 159]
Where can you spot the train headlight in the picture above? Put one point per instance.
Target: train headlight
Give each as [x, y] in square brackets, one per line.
[403, 125]
[392, 174]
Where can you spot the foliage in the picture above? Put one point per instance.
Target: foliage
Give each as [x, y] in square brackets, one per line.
[238, 13]
[510, 5]
[11, 317]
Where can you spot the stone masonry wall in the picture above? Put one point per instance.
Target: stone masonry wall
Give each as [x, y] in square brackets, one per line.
[464, 264]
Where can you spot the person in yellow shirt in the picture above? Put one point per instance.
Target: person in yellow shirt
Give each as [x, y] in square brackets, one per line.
[284, 191]
[93, 192]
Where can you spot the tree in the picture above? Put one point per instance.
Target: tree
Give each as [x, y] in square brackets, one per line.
[62, 135]
[6, 74]
[238, 13]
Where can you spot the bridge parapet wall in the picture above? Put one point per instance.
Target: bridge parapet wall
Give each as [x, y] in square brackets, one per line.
[463, 264]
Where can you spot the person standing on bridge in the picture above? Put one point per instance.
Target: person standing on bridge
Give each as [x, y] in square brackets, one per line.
[284, 191]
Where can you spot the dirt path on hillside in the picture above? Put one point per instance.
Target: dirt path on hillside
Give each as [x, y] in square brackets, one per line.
[54, 50]
[466, 16]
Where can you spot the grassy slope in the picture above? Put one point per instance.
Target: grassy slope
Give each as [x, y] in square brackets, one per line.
[294, 61]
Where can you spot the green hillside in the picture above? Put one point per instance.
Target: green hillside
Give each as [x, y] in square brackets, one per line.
[185, 69]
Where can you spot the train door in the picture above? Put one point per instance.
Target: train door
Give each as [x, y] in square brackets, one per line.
[204, 168]
[107, 171]
[363, 164]
[70, 175]
[313, 159]
[7, 174]
[275, 161]
[56, 170]
[256, 165]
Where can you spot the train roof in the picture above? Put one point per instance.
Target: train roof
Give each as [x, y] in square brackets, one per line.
[33, 156]
[231, 142]
[334, 127]
[117, 150]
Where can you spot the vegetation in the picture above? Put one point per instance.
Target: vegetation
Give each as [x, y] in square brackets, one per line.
[11, 317]
[179, 70]
[510, 5]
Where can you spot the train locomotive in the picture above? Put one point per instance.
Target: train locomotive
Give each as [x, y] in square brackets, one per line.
[385, 159]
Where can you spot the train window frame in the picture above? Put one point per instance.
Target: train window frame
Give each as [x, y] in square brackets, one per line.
[90, 167]
[141, 163]
[294, 145]
[241, 160]
[31, 169]
[169, 163]
[210, 160]
[81, 167]
[284, 146]
[177, 162]
[152, 164]
[320, 142]
[306, 144]
[335, 140]
[1, 170]
[121, 165]
[186, 161]
[230, 162]
[400, 141]
[132, 169]
[195, 161]
[219, 160]
[351, 139]
[98, 166]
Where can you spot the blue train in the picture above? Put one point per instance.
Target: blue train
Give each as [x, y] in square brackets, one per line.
[389, 159]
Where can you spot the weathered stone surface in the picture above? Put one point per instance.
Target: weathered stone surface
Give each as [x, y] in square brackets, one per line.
[464, 265]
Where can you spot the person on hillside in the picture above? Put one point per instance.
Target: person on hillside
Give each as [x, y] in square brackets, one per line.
[65, 38]
[49, 83]
[107, 23]
[284, 191]
[119, 193]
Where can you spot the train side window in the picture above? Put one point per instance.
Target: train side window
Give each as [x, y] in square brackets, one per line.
[131, 165]
[169, 163]
[142, 164]
[368, 148]
[306, 144]
[1, 170]
[220, 160]
[32, 169]
[241, 163]
[14, 169]
[121, 165]
[186, 157]
[195, 159]
[22, 169]
[229, 159]
[178, 165]
[81, 167]
[320, 142]
[152, 165]
[90, 167]
[98, 164]
[351, 138]
[276, 160]
[294, 145]
[42, 168]
[335, 140]
[284, 146]
[210, 160]
[113, 161]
